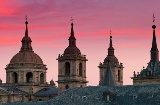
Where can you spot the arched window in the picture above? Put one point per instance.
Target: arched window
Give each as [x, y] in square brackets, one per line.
[67, 69]
[119, 75]
[29, 77]
[41, 78]
[15, 77]
[67, 87]
[80, 69]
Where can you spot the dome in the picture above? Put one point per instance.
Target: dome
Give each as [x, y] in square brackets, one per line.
[111, 59]
[26, 39]
[72, 50]
[26, 57]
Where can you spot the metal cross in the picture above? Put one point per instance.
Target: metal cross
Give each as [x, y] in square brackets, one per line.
[153, 18]
[71, 19]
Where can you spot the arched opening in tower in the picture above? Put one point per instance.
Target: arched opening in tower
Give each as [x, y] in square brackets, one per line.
[80, 69]
[67, 69]
[67, 87]
[41, 78]
[29, 77]
[15, 77]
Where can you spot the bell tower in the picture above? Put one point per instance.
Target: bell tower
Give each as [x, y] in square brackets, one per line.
[71, 66]
[111, 71]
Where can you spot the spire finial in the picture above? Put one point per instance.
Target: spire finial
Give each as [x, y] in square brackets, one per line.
[72, 39]
[153, 21]
[110, 49]
[26, 20]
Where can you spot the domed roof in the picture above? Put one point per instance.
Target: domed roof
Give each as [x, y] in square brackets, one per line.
[26, 57]
[72, 50]
[26, 53]
[26, 39]
[111, 59]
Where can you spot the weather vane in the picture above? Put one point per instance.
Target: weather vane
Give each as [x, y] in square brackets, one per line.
[71, 19]
[153, 18]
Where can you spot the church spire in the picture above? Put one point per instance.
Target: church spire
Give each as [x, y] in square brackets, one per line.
[26, 41]
[110, 49]
[154, 50]
[72, 39]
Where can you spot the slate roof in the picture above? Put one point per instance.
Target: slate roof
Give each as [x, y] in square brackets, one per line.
[48, 91]
[93, 95]
[12, 90]
[4, 90]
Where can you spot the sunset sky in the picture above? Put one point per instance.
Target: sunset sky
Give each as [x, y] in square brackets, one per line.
[49, 28]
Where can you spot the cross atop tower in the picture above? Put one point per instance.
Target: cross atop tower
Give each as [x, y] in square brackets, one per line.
[153, 18]
[71, 19]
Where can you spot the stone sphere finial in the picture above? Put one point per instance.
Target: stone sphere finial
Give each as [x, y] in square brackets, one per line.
[153, 26]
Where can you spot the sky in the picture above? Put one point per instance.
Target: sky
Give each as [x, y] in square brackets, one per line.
[49, 28]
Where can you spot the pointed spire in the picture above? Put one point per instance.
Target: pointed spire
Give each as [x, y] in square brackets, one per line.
[110, 44]
[154, 43]
[72, 31]
[26, 32]
[110, 49]
[26, 41]
[72, 39]
[154, 50]
[108, 77]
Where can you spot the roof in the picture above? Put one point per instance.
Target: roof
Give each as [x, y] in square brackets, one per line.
[93, 95]
[26, 58]
[12, 90]
[47, 91]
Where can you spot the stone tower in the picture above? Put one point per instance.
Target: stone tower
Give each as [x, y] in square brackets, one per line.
[111, 71]
[150, 74]
[26, 68]
[71, 66]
